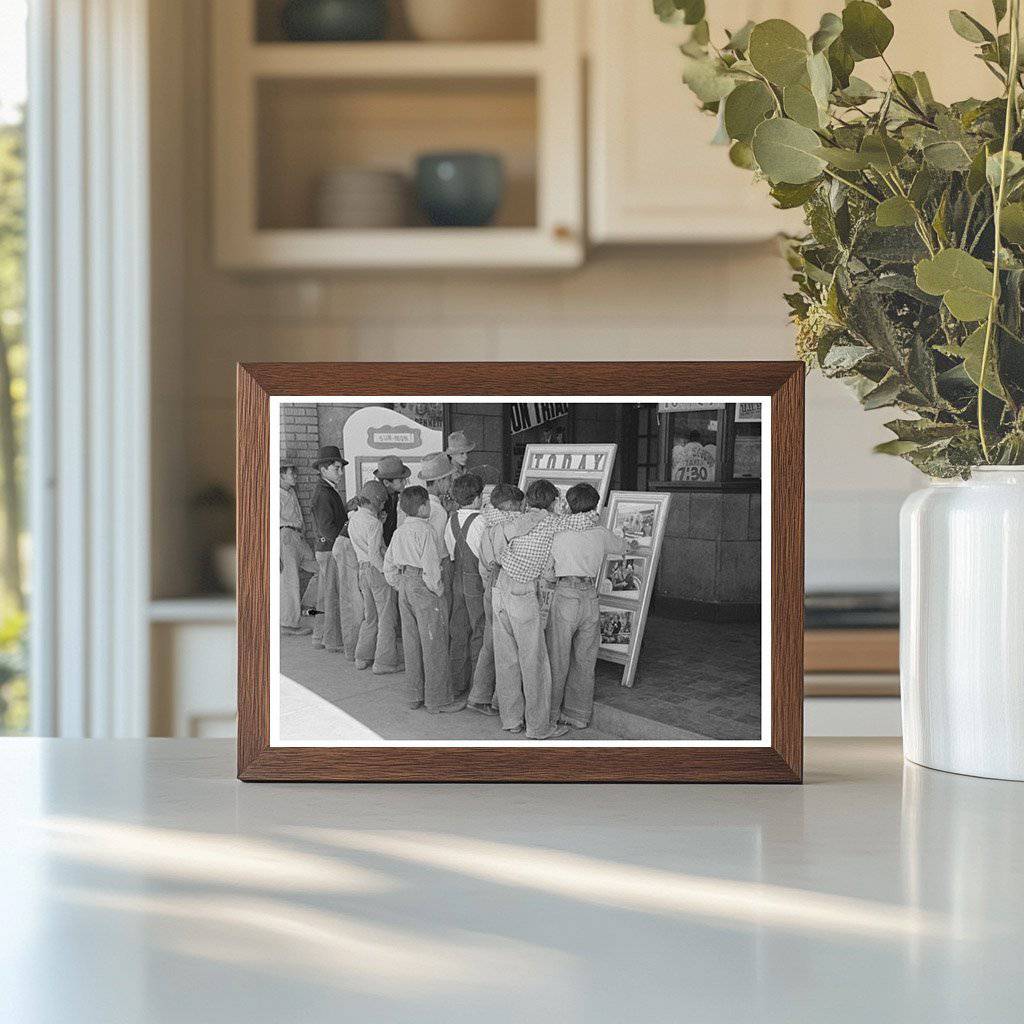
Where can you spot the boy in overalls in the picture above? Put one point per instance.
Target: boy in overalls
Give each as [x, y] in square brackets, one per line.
[413, 568]
[466, 622]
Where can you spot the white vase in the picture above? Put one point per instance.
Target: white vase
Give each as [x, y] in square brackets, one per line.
[962, 624]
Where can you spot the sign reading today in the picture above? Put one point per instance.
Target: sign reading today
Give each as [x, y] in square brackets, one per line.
[526, 415]
[568, 464]
[542, 458]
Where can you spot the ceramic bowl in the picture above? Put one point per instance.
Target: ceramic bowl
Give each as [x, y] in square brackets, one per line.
[470, 20]
[460, 189]
[333, 21]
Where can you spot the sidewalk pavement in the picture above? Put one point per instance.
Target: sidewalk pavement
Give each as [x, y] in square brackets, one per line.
[324, 697]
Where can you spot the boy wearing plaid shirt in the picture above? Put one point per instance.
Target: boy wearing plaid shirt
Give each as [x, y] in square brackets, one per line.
[520, 654]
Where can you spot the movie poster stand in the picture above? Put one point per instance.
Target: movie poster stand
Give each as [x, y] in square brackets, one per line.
[627, 581]
[566, 465]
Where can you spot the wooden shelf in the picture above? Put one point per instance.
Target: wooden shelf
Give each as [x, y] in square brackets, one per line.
[319, 248]
[393, 60]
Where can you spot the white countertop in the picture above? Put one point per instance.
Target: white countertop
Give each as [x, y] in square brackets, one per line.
[140, 882]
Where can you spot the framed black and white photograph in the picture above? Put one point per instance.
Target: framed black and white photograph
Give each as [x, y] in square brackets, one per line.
[623, 576]
[448, 584]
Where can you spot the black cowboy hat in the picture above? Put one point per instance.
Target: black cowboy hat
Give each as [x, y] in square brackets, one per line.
[329, 453]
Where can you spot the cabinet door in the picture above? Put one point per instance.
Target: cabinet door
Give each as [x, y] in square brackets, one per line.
[654, 177]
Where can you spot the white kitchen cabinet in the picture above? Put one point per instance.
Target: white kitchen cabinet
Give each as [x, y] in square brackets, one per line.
[286, 114]
[653, 175]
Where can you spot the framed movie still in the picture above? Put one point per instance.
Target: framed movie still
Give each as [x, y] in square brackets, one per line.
[637, 521]
[440, 581]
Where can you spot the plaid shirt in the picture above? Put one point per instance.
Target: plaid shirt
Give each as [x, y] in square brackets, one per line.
[527, 555]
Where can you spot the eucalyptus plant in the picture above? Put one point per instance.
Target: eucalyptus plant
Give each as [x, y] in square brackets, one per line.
[910, 277]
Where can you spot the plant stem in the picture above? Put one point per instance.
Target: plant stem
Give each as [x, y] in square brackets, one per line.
[853, 185]
[1011, 108]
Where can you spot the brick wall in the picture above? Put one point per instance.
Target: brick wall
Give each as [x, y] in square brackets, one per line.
[300, 440]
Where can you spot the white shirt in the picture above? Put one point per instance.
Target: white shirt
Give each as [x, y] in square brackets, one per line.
[473, 535]
[366, 532]
[438, 520]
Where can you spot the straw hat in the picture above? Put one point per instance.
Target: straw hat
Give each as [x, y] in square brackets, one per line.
[459, 444]
[435, 467]
[392, 468]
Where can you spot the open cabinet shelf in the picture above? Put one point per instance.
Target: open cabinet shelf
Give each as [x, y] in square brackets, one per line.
[287, 114]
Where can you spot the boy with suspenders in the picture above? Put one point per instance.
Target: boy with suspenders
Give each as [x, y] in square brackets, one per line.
[467, 619]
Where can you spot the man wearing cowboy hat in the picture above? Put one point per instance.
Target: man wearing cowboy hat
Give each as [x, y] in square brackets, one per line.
[437, 472]
[459, 447]
[329, 520]
[295, 554]
[392, 473]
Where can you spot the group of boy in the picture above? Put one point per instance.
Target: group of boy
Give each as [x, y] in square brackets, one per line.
[466, 583]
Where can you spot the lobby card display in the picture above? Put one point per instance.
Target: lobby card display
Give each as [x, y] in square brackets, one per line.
[627, 580]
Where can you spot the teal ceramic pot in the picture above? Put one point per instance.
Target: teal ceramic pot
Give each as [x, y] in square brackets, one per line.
[460, 189]
[334, 21]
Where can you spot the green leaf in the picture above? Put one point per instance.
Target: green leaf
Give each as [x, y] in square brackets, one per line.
[840, 61]
[882, 151]
[924, 88]
[739, 41]
[1012, 223]
[947, 156]
[999, 9]
[895, 447]
[741, 155]
[779, 51]
[976, 173]
[885, 394]
[971, 351]
[819, 74]
[787, 152]
[923, 431]
[745, 108]
[866, 29]
[922, 185]
[857, 91]
[689, 12]
[993, 167]
[969, 28]
[895, 212]
[829, 30]
[788, 197]
[844, 159]
[801, 106]
[707, 78]
[963, 281]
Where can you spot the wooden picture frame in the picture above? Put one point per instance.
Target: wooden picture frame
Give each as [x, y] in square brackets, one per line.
[776, 757]
[635, 608]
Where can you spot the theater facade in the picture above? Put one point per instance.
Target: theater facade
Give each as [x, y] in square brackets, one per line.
[708, 456]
